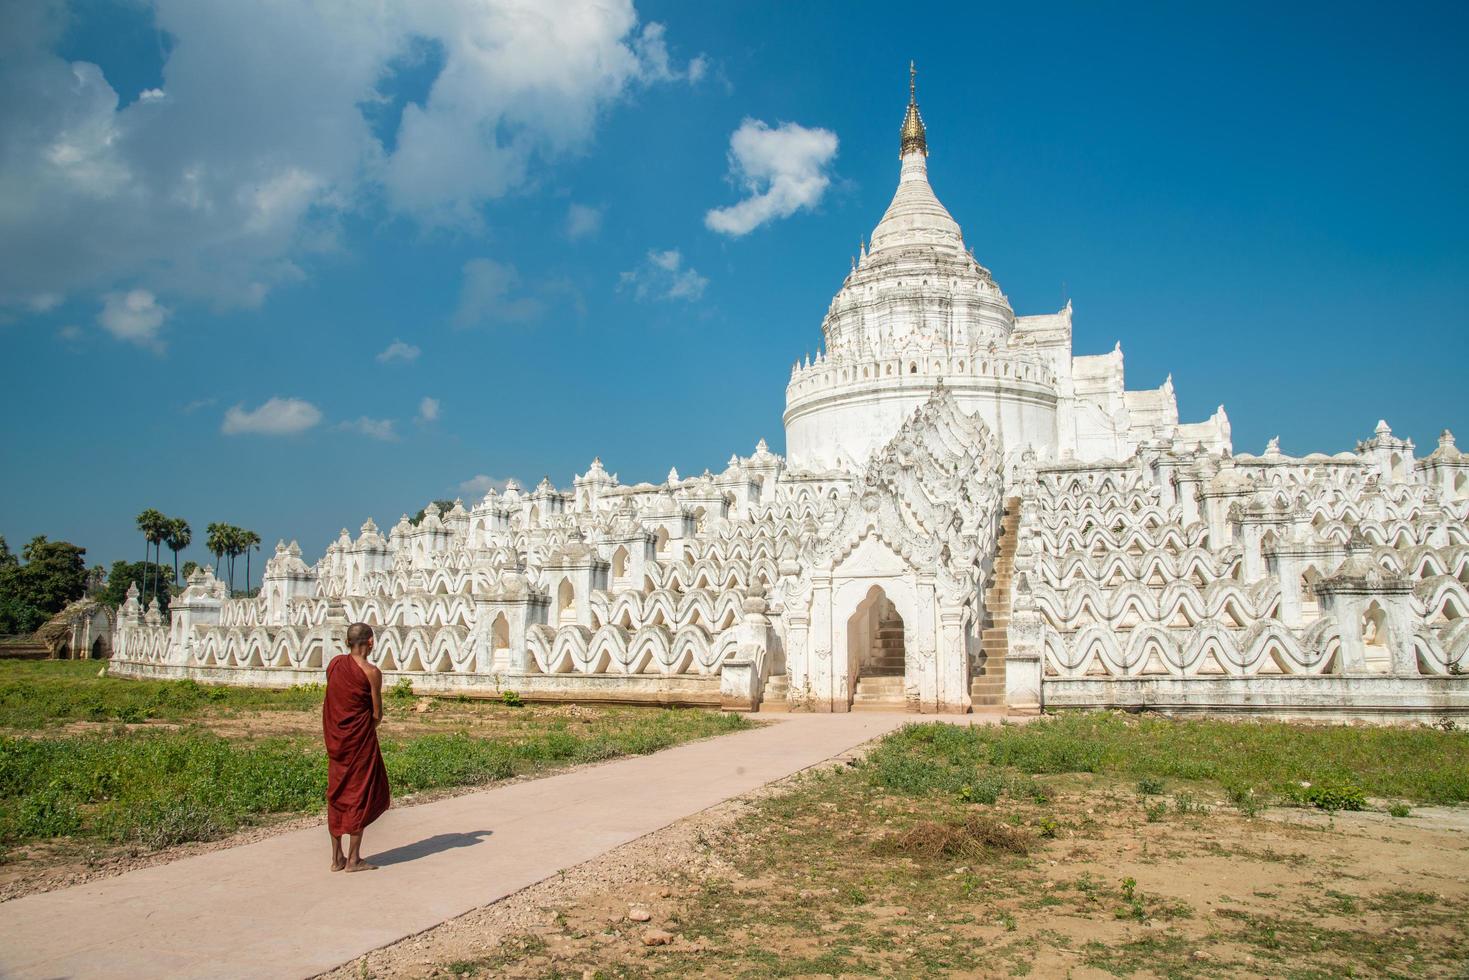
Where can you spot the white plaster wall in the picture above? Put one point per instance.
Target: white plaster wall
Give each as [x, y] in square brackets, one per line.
[826, 430]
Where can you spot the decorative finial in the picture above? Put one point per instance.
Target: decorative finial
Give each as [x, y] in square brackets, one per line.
[914, 138]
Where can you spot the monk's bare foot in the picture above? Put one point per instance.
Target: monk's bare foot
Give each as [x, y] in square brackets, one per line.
[361, 866]
[338, 864]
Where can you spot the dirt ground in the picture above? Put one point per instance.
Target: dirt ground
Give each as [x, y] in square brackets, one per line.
[793, 882]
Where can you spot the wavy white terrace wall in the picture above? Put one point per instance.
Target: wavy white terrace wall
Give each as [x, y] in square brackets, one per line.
[1304, 587]
[1152, 568]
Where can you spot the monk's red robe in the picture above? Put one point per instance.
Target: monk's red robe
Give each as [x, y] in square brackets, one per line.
[356, 780]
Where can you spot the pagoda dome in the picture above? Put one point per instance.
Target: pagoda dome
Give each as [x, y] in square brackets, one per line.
[916, 286]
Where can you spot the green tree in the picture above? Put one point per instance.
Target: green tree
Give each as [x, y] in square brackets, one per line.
[53, 575]
[15, 612]
[125, 573]
[57, 573]
[178, 538]
[217, 542]
[444, 507]
[154, 527]
[233, 539]
[189, 567]
[251, 542]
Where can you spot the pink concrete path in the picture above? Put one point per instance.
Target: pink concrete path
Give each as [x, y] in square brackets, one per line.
[272, 909]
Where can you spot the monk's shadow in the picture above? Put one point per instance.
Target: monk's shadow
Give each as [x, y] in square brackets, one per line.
[427, 846]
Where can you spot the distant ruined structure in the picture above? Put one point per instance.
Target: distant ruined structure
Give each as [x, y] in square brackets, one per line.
[969, 515]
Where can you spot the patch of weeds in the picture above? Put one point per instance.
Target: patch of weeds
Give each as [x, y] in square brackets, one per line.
[511, 699]
[1156, 811]
[132, 714]
[1328, 794]
[1149, 786]
[985, 790]
[1134, 909]
[402, 691]
[1400, 900]
[1398, 809]
[1244, 799]
[1165, 954]
[1185, 803]
[1048, 828]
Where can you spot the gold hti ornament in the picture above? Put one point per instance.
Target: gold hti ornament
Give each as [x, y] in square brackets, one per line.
[915, 139]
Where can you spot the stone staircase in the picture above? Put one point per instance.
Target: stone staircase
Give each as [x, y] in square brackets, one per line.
[23, 647]
[773, 700]
[987, 686]
[879, 693]
[880, 685]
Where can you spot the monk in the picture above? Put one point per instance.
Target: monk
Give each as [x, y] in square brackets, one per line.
[356, 781]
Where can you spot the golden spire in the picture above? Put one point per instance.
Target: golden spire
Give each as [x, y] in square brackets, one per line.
[913, 135]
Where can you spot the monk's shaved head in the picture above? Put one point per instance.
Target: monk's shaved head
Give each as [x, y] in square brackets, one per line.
[358, 634]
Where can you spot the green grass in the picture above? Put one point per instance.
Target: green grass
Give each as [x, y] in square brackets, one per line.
[951, 823]
[157, 788]
[37, 694]
[1419, 764]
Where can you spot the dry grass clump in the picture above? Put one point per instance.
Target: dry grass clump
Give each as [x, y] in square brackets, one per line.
[975, 834]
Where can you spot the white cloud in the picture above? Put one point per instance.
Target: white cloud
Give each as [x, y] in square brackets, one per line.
[220, 186]
[399, 351]
[43, 302]
[428, 410]
[582, 221]
[382, 429]
[482, 483]
[134, 316]
[662, 275]
[489, 295]
[277, 417]
[199, 403]
[782, 170]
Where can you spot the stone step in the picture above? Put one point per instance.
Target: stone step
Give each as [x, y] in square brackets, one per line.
[994, 634]
[875, 681]
[986, 700]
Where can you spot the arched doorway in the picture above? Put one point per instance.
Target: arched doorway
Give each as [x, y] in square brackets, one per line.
[500, 636]
[876, 651]
[99, 649]
[566, 603]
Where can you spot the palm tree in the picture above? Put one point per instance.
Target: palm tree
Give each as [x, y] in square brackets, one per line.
[217, 542]
[154, 526]
[251, 542]
[178, 538]
[234, 540]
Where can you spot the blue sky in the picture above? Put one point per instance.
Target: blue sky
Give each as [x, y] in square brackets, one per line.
[205, 206]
